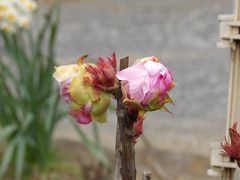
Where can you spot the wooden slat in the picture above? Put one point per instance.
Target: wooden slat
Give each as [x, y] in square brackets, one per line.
[235, 37]
[234, 86]
[225, 17]
[237, 10]
[234, 23]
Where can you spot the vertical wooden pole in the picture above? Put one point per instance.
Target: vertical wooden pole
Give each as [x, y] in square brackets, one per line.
[125, 146]
[230, 38]
[237, 10]
[234, 78]
[234, 88]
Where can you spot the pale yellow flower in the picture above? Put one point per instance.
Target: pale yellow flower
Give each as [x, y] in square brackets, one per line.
[16, 14]
[63, 73]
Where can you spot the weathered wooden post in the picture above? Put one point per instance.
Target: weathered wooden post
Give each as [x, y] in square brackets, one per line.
[230, 38]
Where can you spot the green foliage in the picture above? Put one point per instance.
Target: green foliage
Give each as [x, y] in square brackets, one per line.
[94, 147]
[29, 102]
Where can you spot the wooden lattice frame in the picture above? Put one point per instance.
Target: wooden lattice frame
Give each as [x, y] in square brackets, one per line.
[230, 38]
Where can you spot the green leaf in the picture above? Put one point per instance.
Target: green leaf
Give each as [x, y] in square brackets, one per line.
[27, 121]
[52, 112]
[20, 156]
[27, 95]
[82, 135]
[7, 131]
[7, 157]
[96, 134]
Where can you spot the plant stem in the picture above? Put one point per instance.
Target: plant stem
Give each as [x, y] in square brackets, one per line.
[125, 152]
[96, 134]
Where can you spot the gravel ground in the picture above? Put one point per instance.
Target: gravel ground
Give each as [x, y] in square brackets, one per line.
[184, 34]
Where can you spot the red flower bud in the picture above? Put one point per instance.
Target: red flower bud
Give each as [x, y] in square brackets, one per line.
[103, 74]
[138, 126]
[233, 149]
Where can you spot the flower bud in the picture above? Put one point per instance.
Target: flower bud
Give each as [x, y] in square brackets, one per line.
[233, 149]
[146, 84]
[86, 103]
[103, 73]
[138, 125]
[145, 87]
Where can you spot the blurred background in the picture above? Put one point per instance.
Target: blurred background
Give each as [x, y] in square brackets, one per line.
[183, 33]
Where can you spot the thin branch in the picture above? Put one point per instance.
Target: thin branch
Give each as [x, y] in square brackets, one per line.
[125, 147]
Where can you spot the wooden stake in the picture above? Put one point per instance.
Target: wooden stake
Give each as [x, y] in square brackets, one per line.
[234, 87]
[237, 10]
[227, 174]
[230, 38]
[125, 150]
[234, 78]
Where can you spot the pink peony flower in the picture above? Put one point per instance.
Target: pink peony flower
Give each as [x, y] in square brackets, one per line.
[103, 73]
[146, 84]
[233, 149]
[145, 87]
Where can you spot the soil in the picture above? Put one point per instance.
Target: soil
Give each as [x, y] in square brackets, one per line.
[76, 163]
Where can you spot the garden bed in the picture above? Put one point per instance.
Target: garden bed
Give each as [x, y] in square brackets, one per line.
[74, 162]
